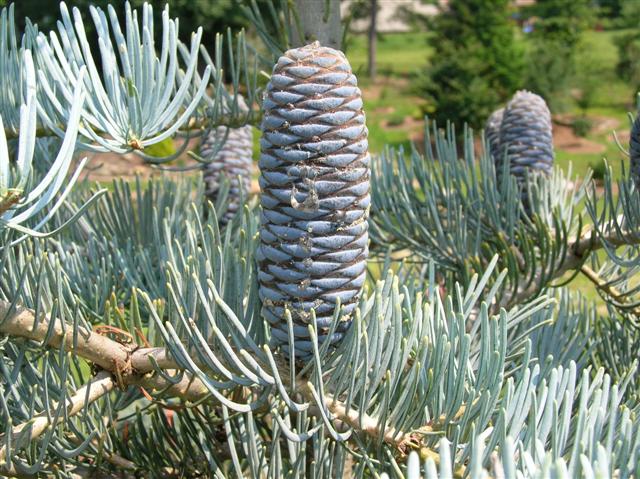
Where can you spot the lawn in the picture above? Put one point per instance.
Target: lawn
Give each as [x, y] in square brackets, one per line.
[390, 100]
[399, 54]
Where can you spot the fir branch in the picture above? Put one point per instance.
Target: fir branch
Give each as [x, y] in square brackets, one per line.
[102, 351]
[611, 291]
[129, 366]
[359, 421]
[99, 385]
[111, 457]
[577, 252]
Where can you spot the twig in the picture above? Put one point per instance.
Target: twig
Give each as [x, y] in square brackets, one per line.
[577, 251]
[100, 350]
[100, 385]
[111, 457]
[133, 365]
[611, 291]
[367, 424]
[129, 365]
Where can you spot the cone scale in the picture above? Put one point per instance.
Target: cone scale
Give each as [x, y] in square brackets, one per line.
[314, 167]
[232, 160]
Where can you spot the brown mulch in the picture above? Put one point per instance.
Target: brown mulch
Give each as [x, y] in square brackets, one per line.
[104, 167]
[565, 139]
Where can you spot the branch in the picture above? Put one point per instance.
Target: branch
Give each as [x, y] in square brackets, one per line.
[128, 365]
[611, 291]
[112, 458]
[363, 422]
[100, 385]
[131, 367]
[577, 251]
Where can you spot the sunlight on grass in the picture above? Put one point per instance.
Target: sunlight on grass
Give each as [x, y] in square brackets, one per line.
[398, 53]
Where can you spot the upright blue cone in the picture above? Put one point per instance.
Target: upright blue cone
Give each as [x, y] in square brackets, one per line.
[314, 167]
[527, 136]
[229, 151]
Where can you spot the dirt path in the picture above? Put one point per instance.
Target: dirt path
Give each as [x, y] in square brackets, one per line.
[565, 139]
[105, 167]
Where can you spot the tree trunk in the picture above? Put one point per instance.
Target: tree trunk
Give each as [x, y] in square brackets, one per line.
[319, 21]
[373, 37]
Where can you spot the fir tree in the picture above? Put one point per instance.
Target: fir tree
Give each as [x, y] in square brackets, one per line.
[476, 63]
[555, 43]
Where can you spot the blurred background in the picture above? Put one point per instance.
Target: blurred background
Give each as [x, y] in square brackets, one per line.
[455, 60]
[458, 60]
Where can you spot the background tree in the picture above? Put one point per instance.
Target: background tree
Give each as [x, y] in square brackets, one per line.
[215, 16]
[476, 64]
[373, 38]
[610, 8]
[360, 10]
[622, 13]
[551, 62]
[628, 67]
[628, 45]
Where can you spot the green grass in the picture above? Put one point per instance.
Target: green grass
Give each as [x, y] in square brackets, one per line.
[612, 98]
[398, 53]
[392, 118]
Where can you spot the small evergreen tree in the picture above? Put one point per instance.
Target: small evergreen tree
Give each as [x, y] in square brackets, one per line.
[628, 46]
[477, 63]
[555, 43]
[610, 8]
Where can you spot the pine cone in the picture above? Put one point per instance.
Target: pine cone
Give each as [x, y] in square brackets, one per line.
[314, 167]
[492, 132]
[232, 160]
[634, 151]
[526, 134]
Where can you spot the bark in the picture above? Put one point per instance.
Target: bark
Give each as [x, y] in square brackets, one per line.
[373, 39]
[318, 20]
[100, 385]
[128, 365]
